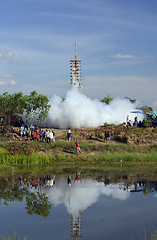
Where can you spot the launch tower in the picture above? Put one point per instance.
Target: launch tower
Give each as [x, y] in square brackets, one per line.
[76, 227]
[75, 66]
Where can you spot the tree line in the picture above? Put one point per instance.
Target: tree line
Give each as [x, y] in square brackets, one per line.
[109, 99]
[34, 106]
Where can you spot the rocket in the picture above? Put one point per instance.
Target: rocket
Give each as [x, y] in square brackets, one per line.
[76, 50]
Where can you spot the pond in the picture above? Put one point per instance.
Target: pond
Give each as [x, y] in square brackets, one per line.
[50, 207]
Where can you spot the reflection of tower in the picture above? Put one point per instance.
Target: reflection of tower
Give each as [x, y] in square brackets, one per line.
[75, 66]
[76, 226]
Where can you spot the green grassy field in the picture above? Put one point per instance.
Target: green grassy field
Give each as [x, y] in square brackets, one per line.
[63, 152]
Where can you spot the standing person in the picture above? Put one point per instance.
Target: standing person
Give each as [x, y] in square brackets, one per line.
[40, 135]
[48, 136]
[32, 131]
[21, 131]
[136, 122]
[35, 136]
[69, 135]
[69, 180]
[24, 132]
[78, 172]
[106, 135]
[51, 137]
[127, 121]
[78, 149]
[28, 132]
[43, 135]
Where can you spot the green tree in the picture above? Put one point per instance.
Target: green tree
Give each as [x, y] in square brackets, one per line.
[147, 123]
[107, 99]
[131, 100]
[37, 107]
[146, 109]
[11, 106]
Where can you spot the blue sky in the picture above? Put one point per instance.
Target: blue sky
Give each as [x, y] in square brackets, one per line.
[117, 43]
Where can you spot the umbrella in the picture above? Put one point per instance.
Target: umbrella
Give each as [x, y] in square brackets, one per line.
[154, 112]
[137, 111]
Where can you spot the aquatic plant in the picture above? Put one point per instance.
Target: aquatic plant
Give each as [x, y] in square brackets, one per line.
[150, 236]
[15, 237]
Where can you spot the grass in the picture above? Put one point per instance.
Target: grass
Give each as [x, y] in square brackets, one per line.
[15, 237]
[150, 236]
[63, 152]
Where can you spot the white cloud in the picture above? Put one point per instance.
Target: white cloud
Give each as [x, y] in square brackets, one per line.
[11, 57]
[5, 74]
[12, 82]
[7, 83]
[121, 56]
[6, 79]
[5, 53]
[18, 61]
[3, 83]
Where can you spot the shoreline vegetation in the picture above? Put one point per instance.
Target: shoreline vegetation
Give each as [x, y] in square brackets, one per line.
[128, 146]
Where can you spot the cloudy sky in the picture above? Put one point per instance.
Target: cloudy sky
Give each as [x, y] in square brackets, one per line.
[117, 43]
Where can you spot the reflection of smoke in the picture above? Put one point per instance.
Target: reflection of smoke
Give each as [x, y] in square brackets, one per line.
[77, 110]
[82, 195]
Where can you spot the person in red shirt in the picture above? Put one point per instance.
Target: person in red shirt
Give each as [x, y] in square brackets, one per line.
[40, 135]
[78, 149]
[78, 172]
[35, 135]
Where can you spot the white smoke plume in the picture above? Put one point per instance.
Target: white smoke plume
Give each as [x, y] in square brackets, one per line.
[82, 195]
[78, 110]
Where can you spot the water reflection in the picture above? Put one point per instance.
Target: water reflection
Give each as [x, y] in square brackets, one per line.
[77, 194]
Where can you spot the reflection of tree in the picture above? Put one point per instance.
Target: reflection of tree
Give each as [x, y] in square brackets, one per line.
[148, 189]
[11, 193]
[38, 204]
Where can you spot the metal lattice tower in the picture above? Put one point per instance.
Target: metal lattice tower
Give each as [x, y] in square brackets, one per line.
[75, 66]
[76, 227]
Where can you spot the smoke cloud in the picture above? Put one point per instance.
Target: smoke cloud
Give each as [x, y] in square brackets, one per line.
[82, 195]
[78, 110]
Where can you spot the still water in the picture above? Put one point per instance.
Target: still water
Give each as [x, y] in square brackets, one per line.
[48, 207]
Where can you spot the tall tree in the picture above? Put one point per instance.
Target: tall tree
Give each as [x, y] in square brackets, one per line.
[11, 105]
[37, 107]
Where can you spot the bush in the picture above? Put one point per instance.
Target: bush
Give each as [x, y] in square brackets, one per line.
[147, 123]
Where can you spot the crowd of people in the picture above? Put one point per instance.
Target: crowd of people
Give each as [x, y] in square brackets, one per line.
[134, 123]
[32, 133]
[47, 181]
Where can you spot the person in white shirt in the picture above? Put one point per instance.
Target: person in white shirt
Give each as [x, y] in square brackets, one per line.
[51, 137]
